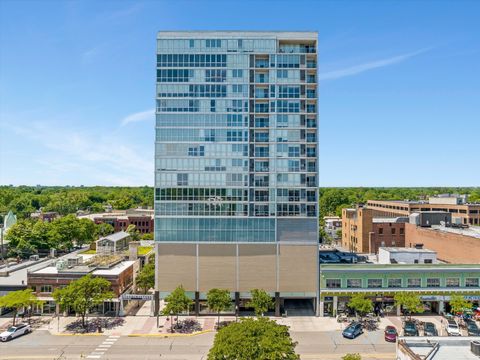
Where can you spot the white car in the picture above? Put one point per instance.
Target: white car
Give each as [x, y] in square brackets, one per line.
[452, 328]
[15, 331]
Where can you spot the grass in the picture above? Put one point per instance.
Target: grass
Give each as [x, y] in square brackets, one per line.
[144, 250]
[89, 252]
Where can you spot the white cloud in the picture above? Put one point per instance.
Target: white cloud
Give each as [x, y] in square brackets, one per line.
[357, 69]
[139, 116]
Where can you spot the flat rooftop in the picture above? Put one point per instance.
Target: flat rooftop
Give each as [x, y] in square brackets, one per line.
[440, 348]
[473, 231]
[114, 270]
[239, 33]
[407, 250]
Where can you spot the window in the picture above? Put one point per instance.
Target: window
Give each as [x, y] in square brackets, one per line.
[471, 282]
[428, 261]
[182, 179]
[380, 231]
[375, 283]
[282, 74]
[433, 282]
[402, 231]
[46, 288]
[333, 283]
[394, 283]
[237, 73]
[393, 231]
[192, 43]
[414, 283]
[354, 283]
[452, 282]
[213, 43]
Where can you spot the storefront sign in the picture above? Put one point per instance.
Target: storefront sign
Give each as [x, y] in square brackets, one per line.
[137, 297]
[431, 298]
[472, 297]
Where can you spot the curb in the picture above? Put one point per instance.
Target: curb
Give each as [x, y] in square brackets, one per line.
[171, 335]
[91, 334]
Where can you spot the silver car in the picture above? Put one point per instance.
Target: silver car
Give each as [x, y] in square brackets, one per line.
[15, 331]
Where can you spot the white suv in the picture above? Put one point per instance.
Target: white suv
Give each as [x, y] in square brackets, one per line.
[452, 328]
[14, 331]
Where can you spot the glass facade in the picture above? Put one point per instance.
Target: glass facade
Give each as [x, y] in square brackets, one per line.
[236, 138]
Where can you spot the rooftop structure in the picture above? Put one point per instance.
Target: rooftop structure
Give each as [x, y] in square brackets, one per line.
[113, 243]
[402, 255]
[438, 348]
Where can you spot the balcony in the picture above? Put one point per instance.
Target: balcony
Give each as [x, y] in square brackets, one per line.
[261, 78]
[261, 63]
[311, 79]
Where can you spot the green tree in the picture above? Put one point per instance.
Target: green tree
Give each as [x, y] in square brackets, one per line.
[87, 232]
[360, 304]
[104, 229]
[18, 238]
[219, 300]
[146, 279]
[134, 233]
[409, 301]
[18, 300]
[84, 294]
[351, 357]
[177, 302]
[459, 304]
[261, 302]
[259, 339]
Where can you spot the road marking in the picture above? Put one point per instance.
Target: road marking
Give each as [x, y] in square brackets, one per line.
[114, 336]
[93, 356]
[104, 345]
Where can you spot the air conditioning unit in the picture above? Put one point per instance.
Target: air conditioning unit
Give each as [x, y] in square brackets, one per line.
[78, 260]
[61, 264]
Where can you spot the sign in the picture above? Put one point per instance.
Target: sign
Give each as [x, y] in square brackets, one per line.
[472, 297]
[431, 298]
[137, 297]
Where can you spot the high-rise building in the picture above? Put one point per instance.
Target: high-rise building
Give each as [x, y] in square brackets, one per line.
[236, 170]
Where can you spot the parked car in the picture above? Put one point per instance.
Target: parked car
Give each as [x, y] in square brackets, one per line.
[15, 331]
[410, 329]
[452, 328]
[472, 328]
[429, 329]
[353, 330]
[391, 333]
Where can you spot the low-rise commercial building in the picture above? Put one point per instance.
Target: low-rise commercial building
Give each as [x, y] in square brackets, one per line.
[434, 283]
[332, 225]
[121, 219]
[402, 255]
[363, 233]
[60, 273]
[462, 211]
[453, 245]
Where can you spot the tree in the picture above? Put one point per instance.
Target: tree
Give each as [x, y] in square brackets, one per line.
[84, 294]
[459, 304]
[18, 300]
[146, 279]
[261, 302]
[18, 237]
[218, 300]
[410, 302]
[351, 357]
[177, 302]
[104, 229]
[134, 234]
[259, 339]
[360, 304]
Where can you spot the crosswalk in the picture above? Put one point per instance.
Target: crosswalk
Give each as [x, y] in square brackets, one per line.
[103, 347]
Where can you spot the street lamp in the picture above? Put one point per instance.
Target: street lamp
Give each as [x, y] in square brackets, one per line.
[236, 313]
[171, 321]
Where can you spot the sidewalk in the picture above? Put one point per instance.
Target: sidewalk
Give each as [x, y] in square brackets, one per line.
[147, 325]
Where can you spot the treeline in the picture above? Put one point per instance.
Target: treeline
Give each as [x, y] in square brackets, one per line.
[23, 200]
[333, 200]
[29, 237]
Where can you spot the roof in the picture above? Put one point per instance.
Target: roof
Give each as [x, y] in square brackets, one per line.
[407, 250]
[115, 270]
[239, 33]
[116, 236]
[439, 348]
[399, 219]
[473, 231]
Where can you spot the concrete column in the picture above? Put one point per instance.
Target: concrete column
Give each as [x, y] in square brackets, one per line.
[321, 308]
[197, 303]
[156, 300]
[277, 304]
[335, 305]
[399, 312]
[441, 307]
[121, 312]
[237, 303]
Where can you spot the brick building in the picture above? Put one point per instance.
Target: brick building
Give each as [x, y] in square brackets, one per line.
[121, 219]
[363, 233]
[453, 245]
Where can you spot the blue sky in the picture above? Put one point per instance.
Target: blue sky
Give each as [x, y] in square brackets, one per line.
[399, 87]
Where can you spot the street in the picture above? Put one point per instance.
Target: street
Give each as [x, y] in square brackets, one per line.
[311, 345]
